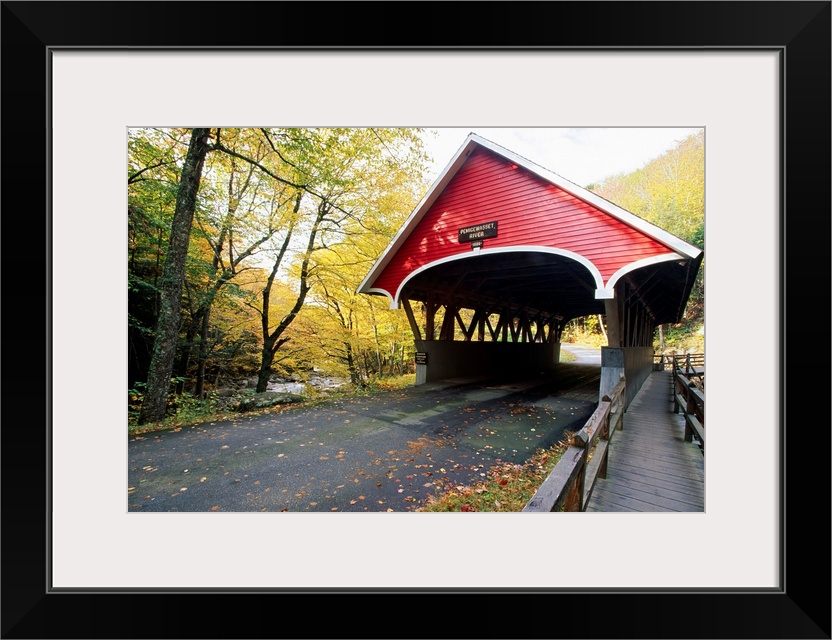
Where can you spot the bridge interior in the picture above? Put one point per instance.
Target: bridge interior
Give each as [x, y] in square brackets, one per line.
[533, 295]
[527, 296]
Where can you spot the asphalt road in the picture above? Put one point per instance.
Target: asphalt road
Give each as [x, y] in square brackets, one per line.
[583, 355]
[386, 452]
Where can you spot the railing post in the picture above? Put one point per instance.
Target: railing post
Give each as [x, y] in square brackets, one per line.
[605, 435]
[574, 500]
[690, 409]
[675, 389]
[575, 497]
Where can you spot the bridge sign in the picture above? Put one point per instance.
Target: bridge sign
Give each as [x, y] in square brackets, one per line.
[478, 232]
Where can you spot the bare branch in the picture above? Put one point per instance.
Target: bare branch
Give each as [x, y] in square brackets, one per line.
[275, 149]
[135, 177]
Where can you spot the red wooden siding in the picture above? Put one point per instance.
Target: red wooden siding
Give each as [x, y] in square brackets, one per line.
[530, 212]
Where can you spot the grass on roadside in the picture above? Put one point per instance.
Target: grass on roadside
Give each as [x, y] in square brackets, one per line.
[507, 487]
[186, 410]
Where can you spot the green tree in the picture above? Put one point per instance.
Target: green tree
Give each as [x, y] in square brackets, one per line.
[266, 203]
[170, 290]
[340, 174]
[247, 214]
[154, 159]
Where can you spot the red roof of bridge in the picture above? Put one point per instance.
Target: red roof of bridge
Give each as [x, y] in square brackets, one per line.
[535, 210]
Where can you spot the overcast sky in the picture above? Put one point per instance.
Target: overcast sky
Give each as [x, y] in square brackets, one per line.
[581, 155]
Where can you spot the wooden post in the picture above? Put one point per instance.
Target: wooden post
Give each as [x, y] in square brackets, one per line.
[602, 470]
[613, 323]
[447, 330]
[430, 319]
[575, 496]
[612, 368]
[675, 392]
[414, 326]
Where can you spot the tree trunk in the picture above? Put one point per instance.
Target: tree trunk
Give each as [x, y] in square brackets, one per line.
[181, 367]
[266, 359]
[355, 374]
[272, 340]
[167, 326]
[199, 391]
[270, 348]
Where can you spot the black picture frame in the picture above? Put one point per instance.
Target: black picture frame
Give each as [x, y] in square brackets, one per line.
[800, 31]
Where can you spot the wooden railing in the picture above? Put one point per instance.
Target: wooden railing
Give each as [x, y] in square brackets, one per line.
[569, 486]
[690, 363]
[689, 398]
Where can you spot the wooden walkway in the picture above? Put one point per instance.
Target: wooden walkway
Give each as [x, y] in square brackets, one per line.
[651, 467]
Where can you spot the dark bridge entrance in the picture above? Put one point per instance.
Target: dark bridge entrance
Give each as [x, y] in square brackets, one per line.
[501, 254]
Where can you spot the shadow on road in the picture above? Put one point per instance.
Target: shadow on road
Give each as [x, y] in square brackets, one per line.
[385, 452]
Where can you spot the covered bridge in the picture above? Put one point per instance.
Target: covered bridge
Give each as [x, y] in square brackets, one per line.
[501, 253]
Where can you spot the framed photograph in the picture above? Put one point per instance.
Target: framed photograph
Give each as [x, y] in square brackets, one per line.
[754, 75]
